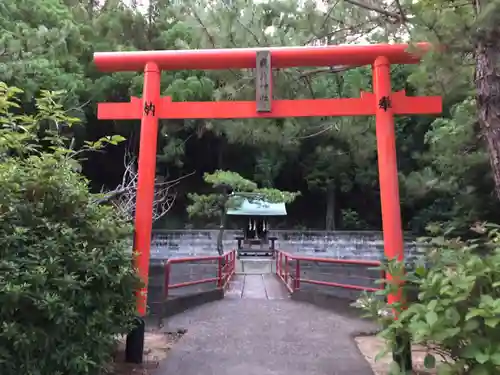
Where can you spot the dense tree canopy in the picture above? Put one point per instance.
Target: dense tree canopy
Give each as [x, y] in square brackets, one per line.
[444, 162]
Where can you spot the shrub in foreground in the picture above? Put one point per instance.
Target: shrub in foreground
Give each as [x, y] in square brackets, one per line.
[456, 316]
[66, 280]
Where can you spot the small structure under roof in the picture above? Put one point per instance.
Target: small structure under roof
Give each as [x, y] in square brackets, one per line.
[256, 239]
[258, 208]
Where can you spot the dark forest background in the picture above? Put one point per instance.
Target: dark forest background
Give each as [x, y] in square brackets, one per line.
[445, 173]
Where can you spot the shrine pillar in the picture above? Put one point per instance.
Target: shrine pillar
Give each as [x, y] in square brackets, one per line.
[387, 165]
[146, 179]
[144, 205]
[389, 192]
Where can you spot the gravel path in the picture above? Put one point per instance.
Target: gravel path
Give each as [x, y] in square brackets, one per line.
[260, 331]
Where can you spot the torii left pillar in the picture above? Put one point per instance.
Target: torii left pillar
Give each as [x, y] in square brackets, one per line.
[389, 192]
[144, 204]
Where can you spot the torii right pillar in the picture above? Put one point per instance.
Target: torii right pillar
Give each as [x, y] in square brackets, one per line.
[389, 190]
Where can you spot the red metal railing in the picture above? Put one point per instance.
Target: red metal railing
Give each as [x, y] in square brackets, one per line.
[288, 269]
[225, 270]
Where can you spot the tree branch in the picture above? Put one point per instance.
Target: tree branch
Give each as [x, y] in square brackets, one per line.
[332, 69]
[342, 29]
[400, 10]
[376, 9]
[210, 36]
[123, 197]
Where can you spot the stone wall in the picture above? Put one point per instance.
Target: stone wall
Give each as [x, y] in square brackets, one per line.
[339, 245]
[336, 245]
[179, 273]
[354, 275]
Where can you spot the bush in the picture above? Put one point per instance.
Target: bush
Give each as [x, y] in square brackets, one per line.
[457, 314]
[66, 280]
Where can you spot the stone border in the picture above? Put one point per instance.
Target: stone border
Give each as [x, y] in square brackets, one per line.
[341, 306]
[180, 304]
[183, 303]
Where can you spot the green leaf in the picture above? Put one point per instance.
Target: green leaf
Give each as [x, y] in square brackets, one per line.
[429, 361]
[471, 325]
[492, 322]
[432, 305]
[446, 333]
[118, 138]
[480, 370]
[470, 351]
[420, 271]
[473, 313]
[495, 358]
[452, 315]
[431, 317]
[481, 357]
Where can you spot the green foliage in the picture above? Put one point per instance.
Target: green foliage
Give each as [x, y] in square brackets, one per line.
[230, 189]
[207, 205]
[232, 180]
[456, 312]
[351, 220]
[450, 186]
[67, 284]
[23, 134]
[444, 169]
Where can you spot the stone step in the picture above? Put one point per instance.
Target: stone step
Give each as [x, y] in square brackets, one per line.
[256, 286]
[255, 266]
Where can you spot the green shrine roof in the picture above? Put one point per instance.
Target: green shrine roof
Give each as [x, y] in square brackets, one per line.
[258, 208]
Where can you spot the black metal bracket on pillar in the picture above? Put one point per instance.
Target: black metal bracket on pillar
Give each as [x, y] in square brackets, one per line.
[134, 346]
[401, 353]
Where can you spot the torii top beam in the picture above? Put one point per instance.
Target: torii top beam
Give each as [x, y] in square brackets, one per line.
[241, 58]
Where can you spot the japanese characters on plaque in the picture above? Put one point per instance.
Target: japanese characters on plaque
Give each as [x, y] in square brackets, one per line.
[263, 81]
[385, 103]
[149, 109]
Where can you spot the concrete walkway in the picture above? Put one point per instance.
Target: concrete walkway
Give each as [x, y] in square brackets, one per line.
[256, 286]
[258, 330]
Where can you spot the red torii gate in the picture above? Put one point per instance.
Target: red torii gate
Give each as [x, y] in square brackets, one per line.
[383, 103]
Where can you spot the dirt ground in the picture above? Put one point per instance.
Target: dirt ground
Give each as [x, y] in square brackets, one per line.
[156, 348]
[370, 346]
[158, 344]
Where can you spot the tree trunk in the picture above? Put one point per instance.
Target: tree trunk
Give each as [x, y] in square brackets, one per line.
[220, 235]
[222, 224]
[330, 206]
[488, 91]
[221, 148]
